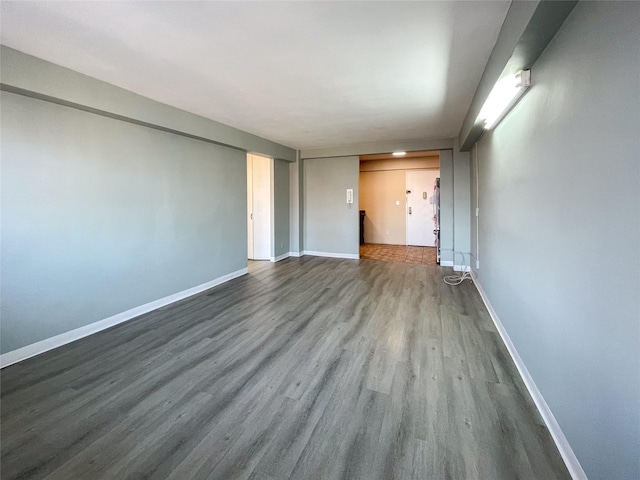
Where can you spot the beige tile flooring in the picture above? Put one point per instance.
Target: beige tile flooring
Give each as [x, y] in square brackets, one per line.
[399, 253]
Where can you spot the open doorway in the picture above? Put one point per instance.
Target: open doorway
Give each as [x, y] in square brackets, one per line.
[259, 207]
[399, 199]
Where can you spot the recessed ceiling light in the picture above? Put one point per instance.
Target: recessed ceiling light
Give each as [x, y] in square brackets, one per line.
[399, 154]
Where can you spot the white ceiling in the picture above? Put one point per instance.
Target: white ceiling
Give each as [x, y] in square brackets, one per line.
[304, 74]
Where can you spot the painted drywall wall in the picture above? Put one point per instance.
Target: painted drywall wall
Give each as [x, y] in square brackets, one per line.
[281, 207]
[461, 207]
[475, 207]
[384, 222]
[559, 232]
[330, 224]
[100, 216]
[300, 202]
[294, 208]
[90, 216]
[446, 207]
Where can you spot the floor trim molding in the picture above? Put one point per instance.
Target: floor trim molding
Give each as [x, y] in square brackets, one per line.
[296, 254]
[47, 344]
[569, 457]
[280, 257]
[446, 263]
[353, 256]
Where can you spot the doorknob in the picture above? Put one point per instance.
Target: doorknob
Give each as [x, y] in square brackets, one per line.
[409, 210]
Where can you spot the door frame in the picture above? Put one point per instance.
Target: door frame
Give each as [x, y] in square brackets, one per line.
[249, 178]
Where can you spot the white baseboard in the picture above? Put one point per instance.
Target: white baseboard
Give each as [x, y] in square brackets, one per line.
[280, 257]
[353, 256]
[456, 268]
[296, 254]
[47, 344]
[569, 457]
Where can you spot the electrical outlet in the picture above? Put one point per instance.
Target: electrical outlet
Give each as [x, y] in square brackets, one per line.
[281, 245]
[477, 212]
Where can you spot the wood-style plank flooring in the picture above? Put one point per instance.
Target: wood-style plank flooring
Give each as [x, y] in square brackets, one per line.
[311, 368]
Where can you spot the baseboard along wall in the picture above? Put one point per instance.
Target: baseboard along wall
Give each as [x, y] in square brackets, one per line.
[569, 457]
[47, 344]
[280, 257]
[353, 256]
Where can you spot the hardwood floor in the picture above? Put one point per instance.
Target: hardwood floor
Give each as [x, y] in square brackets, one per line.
[311, 368]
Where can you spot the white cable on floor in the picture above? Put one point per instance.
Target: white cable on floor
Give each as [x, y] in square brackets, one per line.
[458, 279]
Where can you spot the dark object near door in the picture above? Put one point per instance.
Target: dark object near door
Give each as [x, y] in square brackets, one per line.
[436, 203]
[362, 227]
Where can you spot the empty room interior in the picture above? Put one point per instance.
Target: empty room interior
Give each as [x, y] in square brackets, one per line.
[320, 240]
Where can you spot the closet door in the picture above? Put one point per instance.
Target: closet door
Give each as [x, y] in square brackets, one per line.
[260, 207]
[250, 206]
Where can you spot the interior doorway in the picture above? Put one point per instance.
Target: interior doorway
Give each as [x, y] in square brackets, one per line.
[397, 197]
[259, 207]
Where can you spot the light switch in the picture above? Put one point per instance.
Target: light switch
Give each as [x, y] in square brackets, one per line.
[397, 202]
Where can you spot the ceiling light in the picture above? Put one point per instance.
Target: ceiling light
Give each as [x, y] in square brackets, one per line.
[503, 97]
[399, 154]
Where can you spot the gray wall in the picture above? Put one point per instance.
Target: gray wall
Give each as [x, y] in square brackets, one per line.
[473, 246]
[100, 216]
[294, 207]
[461, 206]
[330, 225]
[281, 207]
[106, 211]
[446, 206]
[559, 232]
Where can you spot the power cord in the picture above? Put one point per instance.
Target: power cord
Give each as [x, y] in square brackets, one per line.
[458, 279]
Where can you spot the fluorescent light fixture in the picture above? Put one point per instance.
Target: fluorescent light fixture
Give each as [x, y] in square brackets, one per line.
[399, 154]
[503, 97]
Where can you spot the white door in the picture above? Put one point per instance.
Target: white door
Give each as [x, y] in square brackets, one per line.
[259, 207]
[420, 208]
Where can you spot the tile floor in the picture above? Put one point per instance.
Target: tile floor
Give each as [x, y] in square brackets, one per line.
[399, 253]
